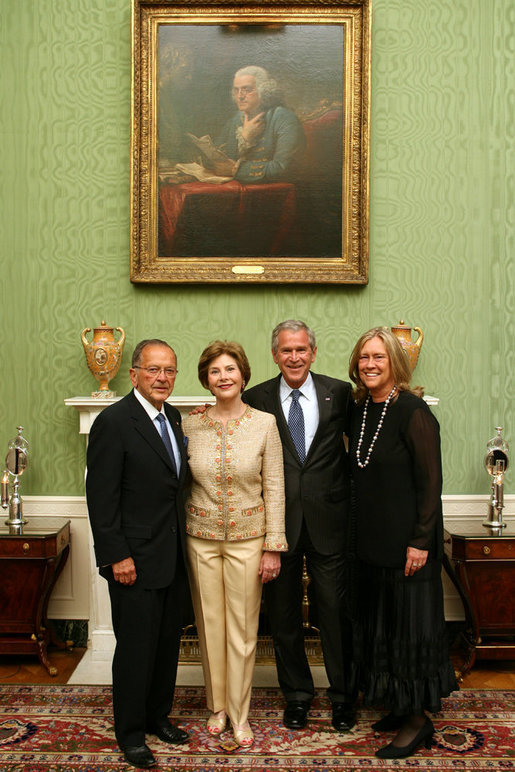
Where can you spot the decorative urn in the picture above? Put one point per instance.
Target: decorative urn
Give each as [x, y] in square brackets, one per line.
[103, 355]
[411, 347]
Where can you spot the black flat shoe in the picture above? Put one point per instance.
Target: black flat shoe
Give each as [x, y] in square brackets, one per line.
[139, 756]
[389, 723]
[296, 714]
[425, 735]
[169, 733]
[344, 716]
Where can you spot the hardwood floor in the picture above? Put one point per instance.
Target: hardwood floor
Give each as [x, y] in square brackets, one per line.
[28, 670]
[493, 674]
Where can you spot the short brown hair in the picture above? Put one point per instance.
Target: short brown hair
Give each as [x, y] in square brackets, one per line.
[399, 363]
[215, 349]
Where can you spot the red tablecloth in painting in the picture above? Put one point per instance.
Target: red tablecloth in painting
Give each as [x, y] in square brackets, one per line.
[199, 219]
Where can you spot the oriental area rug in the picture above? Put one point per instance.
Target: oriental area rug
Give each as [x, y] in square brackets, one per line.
[69, 729]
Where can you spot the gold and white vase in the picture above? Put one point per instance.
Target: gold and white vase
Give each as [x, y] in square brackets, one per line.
[104, 356]
[411, 347]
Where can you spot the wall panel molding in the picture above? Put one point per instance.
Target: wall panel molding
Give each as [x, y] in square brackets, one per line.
[81, 594]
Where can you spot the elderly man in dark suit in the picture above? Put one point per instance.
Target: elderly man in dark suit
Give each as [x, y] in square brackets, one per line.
[136, 469]
[312, 413]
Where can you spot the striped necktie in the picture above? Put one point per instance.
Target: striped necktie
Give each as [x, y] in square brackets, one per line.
[296, 425]
[163, 431]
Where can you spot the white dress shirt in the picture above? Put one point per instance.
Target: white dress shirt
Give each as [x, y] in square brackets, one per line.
[309, 403]
[152, 413]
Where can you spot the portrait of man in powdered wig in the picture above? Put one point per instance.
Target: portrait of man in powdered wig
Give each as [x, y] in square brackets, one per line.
[250, 141]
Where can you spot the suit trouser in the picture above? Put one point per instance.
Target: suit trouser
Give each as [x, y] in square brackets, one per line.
[283, 599]
[226, 595]
[147, 626]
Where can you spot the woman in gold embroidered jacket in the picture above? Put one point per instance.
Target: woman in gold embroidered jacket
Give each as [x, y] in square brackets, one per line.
[235, 527]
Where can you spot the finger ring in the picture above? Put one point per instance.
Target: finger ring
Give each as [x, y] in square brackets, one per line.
[415, 565]
[274, 575]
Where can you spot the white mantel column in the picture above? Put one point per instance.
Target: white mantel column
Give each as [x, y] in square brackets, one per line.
[100, 626]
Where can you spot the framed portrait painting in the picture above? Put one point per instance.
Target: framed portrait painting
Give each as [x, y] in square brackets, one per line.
[250, 141]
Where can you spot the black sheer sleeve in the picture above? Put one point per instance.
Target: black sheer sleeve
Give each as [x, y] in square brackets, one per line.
[423, 440]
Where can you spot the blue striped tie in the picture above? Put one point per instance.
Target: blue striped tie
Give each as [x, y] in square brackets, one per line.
[163, 431]
[296, 425]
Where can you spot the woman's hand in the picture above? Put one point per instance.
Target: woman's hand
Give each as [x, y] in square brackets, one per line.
[269, 566]
[415, 559]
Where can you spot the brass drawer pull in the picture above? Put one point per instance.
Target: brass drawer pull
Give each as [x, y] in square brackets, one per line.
[486, 550]
[26, 547]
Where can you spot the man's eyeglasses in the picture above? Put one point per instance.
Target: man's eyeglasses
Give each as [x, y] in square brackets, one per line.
[170, 372]
[244, 90]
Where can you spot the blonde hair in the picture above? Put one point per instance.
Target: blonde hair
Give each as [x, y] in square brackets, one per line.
[399, 363]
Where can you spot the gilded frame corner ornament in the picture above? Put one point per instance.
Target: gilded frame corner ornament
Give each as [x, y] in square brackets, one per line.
[307, 225]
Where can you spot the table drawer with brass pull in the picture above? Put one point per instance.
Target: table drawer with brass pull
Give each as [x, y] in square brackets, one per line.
[477, 549]
[19, 548]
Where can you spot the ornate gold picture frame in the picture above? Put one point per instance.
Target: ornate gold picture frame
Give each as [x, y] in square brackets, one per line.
[250, 141]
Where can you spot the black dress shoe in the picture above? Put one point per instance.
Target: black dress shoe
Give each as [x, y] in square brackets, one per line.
[388, 723]
[169, 733]
[296, 714]
[344, 716]
[139, 756]
[425, 735]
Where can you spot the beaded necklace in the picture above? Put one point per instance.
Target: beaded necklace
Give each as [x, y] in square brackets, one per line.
[363, 464]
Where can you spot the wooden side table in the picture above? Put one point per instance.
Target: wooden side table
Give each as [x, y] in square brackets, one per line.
[32, 557]
[481, 565]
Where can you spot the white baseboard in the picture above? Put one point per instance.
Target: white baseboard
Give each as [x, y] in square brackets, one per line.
[102, 643]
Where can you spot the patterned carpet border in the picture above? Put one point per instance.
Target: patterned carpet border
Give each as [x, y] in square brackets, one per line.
[69, 729]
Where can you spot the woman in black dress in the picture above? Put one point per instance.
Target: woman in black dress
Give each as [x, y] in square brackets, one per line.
[402, 651]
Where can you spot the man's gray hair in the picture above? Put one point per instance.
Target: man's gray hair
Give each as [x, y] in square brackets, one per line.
[268, 89]
[293, 325]
[138, 351]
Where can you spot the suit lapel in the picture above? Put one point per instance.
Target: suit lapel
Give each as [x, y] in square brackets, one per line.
[282, 424]
[325, 403]
[145, 427]
[179, 437]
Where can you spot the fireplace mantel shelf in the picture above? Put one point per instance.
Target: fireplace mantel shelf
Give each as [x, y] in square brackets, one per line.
[89, 407]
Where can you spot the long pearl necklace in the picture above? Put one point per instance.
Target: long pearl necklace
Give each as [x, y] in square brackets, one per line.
[363, 464]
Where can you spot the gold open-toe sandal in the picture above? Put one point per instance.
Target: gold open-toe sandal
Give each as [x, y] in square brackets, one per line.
[217, 722]
[243, 735]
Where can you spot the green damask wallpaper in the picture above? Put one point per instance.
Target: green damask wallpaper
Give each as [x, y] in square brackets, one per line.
[442, 213]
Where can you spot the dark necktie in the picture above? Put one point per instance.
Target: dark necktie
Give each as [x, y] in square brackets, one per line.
[163, 431]
[296, 425]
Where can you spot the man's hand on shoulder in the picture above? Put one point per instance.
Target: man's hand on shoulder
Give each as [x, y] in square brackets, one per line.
[199, 409]
[124, 571]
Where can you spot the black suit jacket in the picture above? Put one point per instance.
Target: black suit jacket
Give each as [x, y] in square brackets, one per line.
[317, 491]
[135, 500]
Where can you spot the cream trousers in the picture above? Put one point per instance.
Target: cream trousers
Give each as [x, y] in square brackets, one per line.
[226, 595]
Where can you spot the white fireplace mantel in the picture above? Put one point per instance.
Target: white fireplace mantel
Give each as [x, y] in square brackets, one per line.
[100, 626]
[89, 407]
